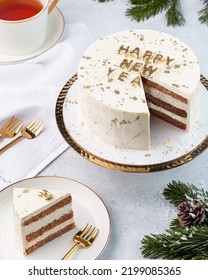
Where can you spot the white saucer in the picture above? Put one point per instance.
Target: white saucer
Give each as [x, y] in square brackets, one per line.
[55, 30]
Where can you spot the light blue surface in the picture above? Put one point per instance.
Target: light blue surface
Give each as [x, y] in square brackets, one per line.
[135, 201]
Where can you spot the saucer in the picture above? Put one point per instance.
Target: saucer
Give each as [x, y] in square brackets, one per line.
[55, 30]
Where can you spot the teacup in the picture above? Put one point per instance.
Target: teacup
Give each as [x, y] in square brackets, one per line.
[24, 31]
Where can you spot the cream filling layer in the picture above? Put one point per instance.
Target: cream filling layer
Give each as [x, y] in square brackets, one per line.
[33, 227]
[172, 115]
[27, 244]
[166, 98]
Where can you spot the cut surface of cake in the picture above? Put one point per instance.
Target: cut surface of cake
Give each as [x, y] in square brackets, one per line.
[40, 216]
[127, 76]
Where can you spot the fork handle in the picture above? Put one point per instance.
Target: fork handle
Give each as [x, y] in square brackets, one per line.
[2, 137]
[70, 251]
[10, 144]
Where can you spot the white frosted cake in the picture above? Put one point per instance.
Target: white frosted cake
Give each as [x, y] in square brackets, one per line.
[125, 77]
[40, 216]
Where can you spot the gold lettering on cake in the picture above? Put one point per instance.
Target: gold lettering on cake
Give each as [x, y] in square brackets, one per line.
[142, 62]
[123, 76]
[45, 194]
[148, 70]
[157, 58]
[131, 65]
[110, 70]
[124, 50]
[136, 81]
[169, 60]
[126, 64]
[135, 52]
[137, 67]
[147, 55]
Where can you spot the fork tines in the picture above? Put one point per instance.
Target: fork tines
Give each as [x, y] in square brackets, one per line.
[35, 125]
[10, 128]
[88, 232]
[15, 124]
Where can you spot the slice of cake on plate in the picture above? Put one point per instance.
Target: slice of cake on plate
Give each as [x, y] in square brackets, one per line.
[40, 215]
[127, 76]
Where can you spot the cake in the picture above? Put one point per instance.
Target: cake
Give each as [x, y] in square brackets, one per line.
[126, 77]
[40, 216]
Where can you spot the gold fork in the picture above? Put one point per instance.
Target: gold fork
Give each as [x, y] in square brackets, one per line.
[10, 128]
[30, 131]
[85, 237]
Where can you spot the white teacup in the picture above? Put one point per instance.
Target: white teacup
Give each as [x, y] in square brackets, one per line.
[21, 37]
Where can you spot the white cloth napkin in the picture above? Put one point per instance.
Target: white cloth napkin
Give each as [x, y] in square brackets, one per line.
[29, 90]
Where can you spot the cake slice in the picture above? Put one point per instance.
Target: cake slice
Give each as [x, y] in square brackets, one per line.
[40, 216]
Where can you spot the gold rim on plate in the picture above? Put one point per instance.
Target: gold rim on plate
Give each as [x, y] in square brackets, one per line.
[115, 165]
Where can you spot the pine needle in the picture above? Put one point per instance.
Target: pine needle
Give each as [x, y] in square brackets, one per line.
[174, 14]
[143, 9]
[203, 14]
[177, 192]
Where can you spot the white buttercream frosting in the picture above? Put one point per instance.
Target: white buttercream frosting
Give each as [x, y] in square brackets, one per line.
[111, 91]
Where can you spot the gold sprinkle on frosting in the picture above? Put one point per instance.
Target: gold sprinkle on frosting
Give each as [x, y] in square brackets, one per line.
[25, 191]
[45, 194]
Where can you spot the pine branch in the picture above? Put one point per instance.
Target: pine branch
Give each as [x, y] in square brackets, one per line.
[203, 14]
[203, 256]
[175, 224]
[177, 192]
[180, 244]
[143, 9]
[174, 14]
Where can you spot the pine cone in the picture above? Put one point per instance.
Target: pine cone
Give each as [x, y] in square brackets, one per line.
[191, 213]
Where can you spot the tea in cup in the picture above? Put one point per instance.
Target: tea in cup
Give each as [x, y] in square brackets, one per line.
[23, 25]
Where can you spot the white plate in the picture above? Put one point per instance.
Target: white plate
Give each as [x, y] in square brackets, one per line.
[170, 147]
[87, 206]
[55, 30]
